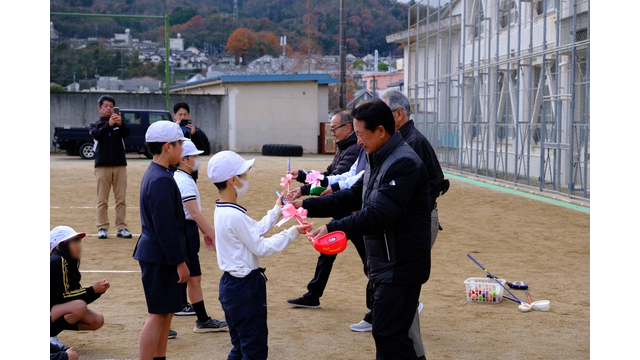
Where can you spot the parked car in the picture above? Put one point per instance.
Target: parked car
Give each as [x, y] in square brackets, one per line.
[77, 140]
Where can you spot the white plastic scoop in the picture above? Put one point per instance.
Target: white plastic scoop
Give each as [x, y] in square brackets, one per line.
[524, 307]
[541, 305]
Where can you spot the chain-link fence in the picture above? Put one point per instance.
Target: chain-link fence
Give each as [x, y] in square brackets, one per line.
[501, 88]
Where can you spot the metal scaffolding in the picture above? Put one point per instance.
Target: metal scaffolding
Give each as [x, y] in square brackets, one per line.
[501, 88]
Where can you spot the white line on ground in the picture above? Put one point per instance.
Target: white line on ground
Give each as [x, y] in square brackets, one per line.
[85, 207]
[110, 271]
[114, 235]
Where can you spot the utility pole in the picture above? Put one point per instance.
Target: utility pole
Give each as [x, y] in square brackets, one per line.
[343, 56]
[235, 9]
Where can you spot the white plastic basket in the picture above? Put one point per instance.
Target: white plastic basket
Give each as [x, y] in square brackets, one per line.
[484, 290]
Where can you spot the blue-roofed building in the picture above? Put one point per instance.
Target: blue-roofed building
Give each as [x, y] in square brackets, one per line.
[267, 109]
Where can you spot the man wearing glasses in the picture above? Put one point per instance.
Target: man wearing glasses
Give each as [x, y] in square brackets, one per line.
[347, 154]
[348, 150]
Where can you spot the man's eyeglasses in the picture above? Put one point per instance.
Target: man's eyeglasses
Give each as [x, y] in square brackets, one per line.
[333, 130]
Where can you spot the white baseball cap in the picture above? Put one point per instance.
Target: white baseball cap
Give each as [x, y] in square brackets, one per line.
[227, 164]
[189, 148]
[164, 131]
[61, 234]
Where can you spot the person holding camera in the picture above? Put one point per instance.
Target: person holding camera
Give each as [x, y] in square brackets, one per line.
[110, 165]
[182, 114]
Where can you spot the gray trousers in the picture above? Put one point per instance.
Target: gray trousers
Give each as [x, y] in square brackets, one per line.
[414, 331]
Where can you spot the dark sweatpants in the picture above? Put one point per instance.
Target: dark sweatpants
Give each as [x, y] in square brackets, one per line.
[394, 308]
[244, 301]
[323, 269]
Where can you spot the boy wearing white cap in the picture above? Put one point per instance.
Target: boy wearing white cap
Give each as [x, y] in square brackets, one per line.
[68, 299]
[162, 248]
[190, 163]
[239, 244]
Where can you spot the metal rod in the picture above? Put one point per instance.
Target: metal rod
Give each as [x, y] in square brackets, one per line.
[516, 169]
[461, 119]
[497, 94]
[417, 68]
[573, 99]
[436, 87]
[342, 86]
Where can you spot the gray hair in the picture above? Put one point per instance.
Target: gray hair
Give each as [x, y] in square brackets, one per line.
[396, 100]
[345, 117]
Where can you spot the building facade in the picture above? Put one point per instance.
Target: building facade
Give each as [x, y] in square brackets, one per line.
[268, 109]
[501, 88]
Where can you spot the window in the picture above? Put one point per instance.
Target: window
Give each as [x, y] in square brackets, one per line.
[132, 118]
[509, 13]
[153, 117]
[478, 20]
[540, 6]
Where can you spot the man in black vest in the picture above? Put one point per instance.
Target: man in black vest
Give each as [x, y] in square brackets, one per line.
[393, 199]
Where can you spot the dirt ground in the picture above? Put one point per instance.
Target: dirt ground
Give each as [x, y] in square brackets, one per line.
[516, 238]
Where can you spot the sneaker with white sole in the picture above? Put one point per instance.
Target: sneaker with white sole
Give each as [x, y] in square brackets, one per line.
[187, 310]
[362, 326]
[172, 334]
[211, 325]
[54, 340]
[102, 233]
[124, 233]
[303, 302]
[420, 307]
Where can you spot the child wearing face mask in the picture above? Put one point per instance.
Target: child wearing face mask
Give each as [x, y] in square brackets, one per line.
[189, 163]
[240, 244]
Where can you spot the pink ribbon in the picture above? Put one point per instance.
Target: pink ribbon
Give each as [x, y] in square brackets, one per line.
[289, 211]
[314, 178]
[286, 181]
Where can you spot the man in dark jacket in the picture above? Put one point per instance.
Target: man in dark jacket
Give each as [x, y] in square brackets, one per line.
[110, 165]
[393, 200]
[347, 154]
[438, 185]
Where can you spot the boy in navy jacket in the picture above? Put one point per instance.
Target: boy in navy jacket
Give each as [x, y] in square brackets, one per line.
[162, 247]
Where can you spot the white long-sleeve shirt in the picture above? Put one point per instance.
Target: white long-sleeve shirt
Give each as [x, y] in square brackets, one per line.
[346, 180]
[239, 238]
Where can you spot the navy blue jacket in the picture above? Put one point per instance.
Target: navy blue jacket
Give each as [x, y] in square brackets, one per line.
[110, 150]
[163, 238]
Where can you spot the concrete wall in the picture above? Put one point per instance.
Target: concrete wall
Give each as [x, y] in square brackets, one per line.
[261, 113]
[277, 113]
[80, 109]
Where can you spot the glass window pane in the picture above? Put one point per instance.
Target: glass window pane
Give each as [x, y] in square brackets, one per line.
[132, 118]
[153, 117]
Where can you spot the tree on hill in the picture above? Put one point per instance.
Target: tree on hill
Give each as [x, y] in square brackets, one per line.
[241, 41]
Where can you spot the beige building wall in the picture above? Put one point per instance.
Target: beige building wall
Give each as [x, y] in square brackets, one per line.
[270, 112]
[276, 113]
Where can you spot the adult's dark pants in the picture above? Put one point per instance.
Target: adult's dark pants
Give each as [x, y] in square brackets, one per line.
[244, 301]
[394, 309]
[324, 265]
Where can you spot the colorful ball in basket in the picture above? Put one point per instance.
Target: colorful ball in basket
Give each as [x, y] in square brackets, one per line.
[331, 243]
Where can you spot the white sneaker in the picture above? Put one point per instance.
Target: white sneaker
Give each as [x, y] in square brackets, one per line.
[420, 307]
[362, 326]
[54, 340]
